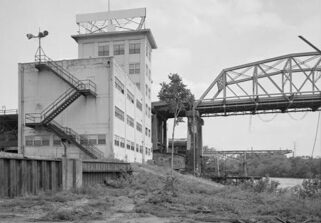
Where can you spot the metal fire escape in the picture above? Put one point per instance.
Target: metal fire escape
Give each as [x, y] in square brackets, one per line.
[45, 118]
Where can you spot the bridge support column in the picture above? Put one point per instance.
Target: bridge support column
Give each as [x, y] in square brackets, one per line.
[194, 142]
[159, 133]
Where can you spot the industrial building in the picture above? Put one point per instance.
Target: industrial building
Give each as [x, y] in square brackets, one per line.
[97, 106]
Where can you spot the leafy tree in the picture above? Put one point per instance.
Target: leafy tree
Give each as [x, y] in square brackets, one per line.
[178, 99]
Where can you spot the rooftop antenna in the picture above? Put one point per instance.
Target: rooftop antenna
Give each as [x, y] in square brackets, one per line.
[40, 54]
[111, 26]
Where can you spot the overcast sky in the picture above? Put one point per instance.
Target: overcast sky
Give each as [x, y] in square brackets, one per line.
[196, 39]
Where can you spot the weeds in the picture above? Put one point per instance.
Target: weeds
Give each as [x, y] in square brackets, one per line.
[259, 186]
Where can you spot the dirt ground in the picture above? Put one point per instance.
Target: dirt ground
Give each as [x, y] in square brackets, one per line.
[150, 195]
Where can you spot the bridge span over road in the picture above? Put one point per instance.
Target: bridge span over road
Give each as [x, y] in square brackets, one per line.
[289, 83]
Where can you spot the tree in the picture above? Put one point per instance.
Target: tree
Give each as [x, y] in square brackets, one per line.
[178, 99]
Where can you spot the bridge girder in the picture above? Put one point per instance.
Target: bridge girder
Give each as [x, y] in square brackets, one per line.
[281, 84]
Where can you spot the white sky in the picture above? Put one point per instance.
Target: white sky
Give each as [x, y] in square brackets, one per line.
[196, 39]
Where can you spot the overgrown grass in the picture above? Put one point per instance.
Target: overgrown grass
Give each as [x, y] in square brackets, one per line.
[153, 191]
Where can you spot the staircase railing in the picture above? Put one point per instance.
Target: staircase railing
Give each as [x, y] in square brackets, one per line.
[65, 74]
[75, 137]
[39, 117]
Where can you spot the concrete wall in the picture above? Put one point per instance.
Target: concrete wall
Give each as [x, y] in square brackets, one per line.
[87, 115]
[88, 48]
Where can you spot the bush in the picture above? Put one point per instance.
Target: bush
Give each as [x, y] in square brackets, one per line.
[262, 185]
[311, 188]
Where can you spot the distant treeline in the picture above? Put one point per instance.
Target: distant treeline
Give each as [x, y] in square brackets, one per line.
[269, 165]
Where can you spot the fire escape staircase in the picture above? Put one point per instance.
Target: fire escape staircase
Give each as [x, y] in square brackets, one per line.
[45, 118]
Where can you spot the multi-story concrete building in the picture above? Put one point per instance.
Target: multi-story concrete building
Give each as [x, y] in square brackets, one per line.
[101, 102]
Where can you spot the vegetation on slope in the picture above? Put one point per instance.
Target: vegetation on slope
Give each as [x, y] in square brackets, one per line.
[152, 195]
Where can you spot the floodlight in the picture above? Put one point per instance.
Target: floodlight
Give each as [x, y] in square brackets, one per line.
[30, 36]
[39, 53]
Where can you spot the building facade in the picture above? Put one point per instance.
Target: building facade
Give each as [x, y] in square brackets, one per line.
[96, 106]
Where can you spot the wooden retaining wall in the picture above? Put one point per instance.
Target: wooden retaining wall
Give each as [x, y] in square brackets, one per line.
[20, 176]
[95, 171]
[30, 175]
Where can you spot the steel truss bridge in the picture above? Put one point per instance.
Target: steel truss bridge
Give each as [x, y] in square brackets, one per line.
[289, 83]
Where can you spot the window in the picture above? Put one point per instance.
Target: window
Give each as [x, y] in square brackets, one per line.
[119, 49]
[128, 144]
[119, 113]
[147, 49]
[92, 139]
[130, 121]
[56, 141]
[146, 109]
[139, 105]
[146, 89]
[149, 93]
[146, 130]
[134, 48]
[146, 70]
[141, 149]
[116, 140]
[137, 147]
[119, 85]
[37, 141]
[45, 140]
[83, 140]
[29, 141]
[101, 139]
[134, 68]
[139, 127]
[149, 74]
[103, 50]
[122, 142]
[132, 146]
[130, 96]
[146, 150]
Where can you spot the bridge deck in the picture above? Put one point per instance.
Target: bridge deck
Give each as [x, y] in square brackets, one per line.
[275, 104]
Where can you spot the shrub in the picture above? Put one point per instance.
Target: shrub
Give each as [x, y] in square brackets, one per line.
[262, 185]
[310, 188]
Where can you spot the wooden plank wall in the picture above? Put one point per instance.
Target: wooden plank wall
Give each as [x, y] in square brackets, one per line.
[96, 172]
[21, 176]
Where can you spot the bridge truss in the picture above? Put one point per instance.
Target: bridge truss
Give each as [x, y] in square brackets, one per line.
[287, 83]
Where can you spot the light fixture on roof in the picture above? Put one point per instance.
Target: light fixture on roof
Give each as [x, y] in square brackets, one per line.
[40, 54]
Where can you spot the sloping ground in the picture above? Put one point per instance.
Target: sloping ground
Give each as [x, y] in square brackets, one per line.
[150, 195]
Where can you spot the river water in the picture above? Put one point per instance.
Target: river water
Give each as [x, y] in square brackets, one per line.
[288, 182]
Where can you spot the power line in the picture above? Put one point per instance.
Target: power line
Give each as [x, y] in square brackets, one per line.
[316, 134]
[298, 119]
[267, 120]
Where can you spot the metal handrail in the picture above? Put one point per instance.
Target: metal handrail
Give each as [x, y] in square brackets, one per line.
[64, 72]
[8, 112]
[71, 133]
[62, 98]
[265, 95]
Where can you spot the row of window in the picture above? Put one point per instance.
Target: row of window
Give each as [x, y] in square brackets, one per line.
[130, 121]
[119, 49]
[148, 73]
[130, 96]
[148, 52]
[147, 132]
[91, 139]
[130, 145]
[147, 91]
[148, 111]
